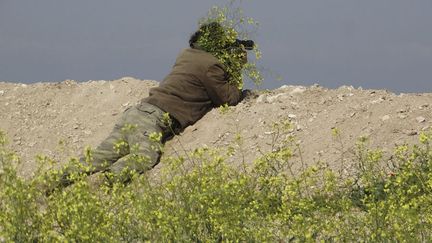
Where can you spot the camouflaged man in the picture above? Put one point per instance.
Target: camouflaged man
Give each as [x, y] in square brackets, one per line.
[197, 83]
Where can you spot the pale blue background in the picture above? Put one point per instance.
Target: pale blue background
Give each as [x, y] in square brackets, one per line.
[368, 43]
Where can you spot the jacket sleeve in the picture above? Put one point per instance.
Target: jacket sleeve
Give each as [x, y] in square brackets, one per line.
[219, 89]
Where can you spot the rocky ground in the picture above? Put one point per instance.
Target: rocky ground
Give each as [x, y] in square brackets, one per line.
[60, 119]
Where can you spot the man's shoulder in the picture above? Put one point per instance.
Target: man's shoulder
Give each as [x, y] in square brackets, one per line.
[199, 56]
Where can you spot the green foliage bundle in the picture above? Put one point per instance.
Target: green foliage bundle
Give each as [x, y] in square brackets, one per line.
[216, 201]
[220, 29]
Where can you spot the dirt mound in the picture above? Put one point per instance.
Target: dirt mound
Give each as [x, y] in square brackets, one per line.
[60, 119]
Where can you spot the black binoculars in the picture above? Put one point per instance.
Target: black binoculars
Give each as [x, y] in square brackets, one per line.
[247, 44]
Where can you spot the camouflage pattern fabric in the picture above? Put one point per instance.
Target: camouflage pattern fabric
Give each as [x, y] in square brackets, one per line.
[134, 144]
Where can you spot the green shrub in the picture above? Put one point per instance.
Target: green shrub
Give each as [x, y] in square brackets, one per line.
[201, 197]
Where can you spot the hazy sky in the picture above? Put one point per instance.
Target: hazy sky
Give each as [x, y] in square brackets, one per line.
[368, 43]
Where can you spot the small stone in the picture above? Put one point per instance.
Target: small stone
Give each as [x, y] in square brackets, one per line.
[17, 140]
[385, 118]
[284, 87]
[322, 101]
[298, 90]
[274, 98]
[69, 82]
[402, 116]
[420, 119]
[292, 116]
[2, 92]
[423, 106]
[87, 132]
[262, 99]
[410, 132]
[377, 101]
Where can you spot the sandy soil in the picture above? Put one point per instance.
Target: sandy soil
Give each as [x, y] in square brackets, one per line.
[60, 119]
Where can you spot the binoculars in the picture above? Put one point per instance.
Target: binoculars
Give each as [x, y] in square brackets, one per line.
[247, 44]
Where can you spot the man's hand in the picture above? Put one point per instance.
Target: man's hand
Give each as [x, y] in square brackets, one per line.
[248, 94]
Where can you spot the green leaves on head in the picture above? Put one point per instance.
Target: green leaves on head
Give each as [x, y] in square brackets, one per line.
[217, 35]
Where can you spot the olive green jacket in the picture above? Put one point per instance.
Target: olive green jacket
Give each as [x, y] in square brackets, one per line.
[196, 84]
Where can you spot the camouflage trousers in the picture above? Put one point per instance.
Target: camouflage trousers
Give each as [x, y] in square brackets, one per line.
[134, 144]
